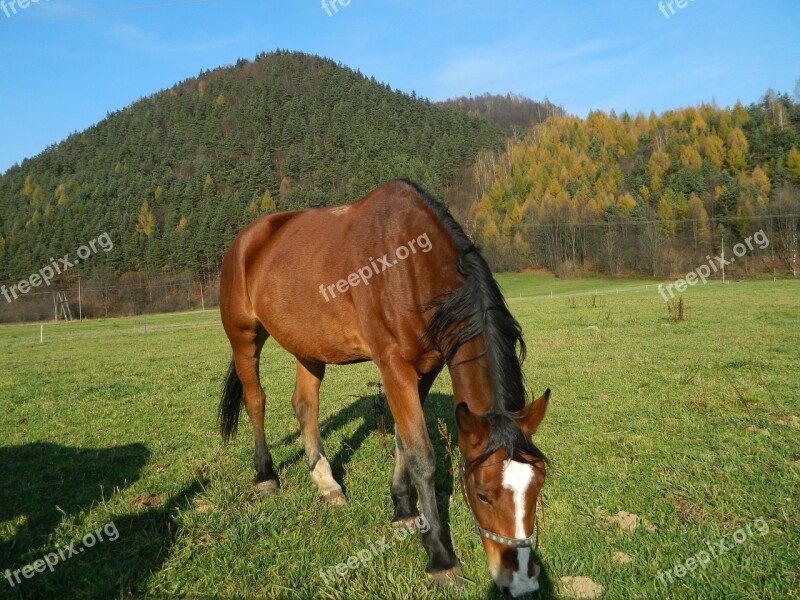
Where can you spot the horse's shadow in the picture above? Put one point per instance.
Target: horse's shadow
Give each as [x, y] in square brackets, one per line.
[42, 484]
[372, 414]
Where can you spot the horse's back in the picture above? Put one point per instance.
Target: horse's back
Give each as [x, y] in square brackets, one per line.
[338, 284]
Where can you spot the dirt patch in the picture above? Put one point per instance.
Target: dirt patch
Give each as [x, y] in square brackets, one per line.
[621, 558]
[687, 509]
[629, 522]
[146, 500]
[580, 587]
[201, 505]
[626, 521]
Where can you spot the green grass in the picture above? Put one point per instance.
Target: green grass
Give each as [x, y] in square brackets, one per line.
[106, 423]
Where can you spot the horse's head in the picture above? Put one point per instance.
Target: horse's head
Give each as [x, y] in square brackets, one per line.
[502, 491]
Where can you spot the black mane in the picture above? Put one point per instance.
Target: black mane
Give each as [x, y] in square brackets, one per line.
[476, 308]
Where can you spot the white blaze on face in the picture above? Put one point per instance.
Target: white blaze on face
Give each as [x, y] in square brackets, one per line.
[517, 477]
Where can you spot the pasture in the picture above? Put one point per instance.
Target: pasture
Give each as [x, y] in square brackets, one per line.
[691, 426]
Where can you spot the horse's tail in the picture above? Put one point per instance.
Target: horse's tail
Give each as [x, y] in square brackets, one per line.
[230, 406]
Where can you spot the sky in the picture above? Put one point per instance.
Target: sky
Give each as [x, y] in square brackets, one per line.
[66, 64]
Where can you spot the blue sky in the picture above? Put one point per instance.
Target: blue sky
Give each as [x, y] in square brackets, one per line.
[64, 64]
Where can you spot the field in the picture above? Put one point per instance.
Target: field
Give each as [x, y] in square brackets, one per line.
[691, 426]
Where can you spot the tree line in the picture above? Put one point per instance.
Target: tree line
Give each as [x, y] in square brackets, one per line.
[646, 195]
[173, 177]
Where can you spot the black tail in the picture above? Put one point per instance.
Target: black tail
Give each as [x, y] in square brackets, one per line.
[230, 406]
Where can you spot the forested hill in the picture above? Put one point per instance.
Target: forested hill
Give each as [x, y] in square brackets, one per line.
[514, 113]
[646, 194]
[174, 176]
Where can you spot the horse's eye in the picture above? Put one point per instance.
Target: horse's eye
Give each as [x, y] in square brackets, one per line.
[483, 498]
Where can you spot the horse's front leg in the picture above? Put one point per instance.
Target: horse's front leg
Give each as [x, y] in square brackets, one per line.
[400, 381]
[405, 509]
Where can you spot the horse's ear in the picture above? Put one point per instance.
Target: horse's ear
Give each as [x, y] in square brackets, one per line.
[470, 425]
[532, 416]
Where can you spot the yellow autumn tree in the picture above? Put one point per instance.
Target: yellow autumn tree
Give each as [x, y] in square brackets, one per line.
[793, 163]
[657, 166]
[698, 221]
[146, 220]
[665, 213]
[736, 157]
[27, 187]
[626, 204]
[714, 150]
[268, 203]
[761, 181]
[690, 157]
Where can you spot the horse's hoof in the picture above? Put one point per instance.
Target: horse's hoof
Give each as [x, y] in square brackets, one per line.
[335, 498]
[449, 577]
[265, 489]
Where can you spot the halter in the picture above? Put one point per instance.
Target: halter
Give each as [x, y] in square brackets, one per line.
[528, 542]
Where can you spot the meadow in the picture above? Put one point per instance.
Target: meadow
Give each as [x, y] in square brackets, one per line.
[690, 426]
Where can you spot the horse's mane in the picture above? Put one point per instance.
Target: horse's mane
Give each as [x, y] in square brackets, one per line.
[476, 308]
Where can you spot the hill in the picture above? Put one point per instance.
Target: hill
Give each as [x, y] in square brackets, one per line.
[515, 114]
[174, 176]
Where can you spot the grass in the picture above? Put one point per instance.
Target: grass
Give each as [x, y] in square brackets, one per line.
[676, 422]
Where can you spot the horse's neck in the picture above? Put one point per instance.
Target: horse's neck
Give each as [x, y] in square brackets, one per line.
[469, 371]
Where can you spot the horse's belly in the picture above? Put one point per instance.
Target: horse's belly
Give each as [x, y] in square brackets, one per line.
[314, 335]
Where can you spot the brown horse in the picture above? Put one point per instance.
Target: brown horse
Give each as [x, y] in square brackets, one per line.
[392, 278]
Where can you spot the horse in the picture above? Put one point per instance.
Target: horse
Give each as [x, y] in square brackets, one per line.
[311, 280]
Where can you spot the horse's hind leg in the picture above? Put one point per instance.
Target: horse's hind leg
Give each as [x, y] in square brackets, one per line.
[305, 401]
[246, 356]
